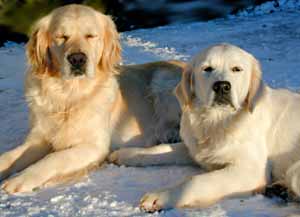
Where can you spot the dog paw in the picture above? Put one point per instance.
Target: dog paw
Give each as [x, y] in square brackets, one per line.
[125, 156]
[156, 201]
[19, 184]
[114, 158]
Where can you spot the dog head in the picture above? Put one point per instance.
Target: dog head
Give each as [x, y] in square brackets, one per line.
[221, 76]
[74, 41]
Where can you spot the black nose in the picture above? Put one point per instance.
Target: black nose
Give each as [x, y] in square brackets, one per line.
[221, 87]
[77, 59]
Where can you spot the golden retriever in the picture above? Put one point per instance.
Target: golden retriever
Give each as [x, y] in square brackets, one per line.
[244, 133]
[81, 101]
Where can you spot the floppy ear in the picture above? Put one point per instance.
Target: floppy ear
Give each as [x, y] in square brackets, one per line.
[184, 91]
[37, 48]
[255, 85]
[112, 48]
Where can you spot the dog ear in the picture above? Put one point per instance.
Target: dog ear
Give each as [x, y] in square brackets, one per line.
[37, 48]
[255, 85]
[184, 91]
[112, 48]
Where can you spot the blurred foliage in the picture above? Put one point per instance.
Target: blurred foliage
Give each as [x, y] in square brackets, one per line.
[20, 14]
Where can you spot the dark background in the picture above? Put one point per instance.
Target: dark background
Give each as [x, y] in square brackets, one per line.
[16, 16]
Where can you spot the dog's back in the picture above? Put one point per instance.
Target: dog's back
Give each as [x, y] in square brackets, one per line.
[147, 91]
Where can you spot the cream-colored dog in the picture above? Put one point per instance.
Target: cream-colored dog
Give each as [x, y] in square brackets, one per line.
[243, 132]
[81, 101]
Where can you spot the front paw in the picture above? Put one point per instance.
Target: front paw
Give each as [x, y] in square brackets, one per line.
[124, 156]
[156, 201]
[21, 183]
[114, 158]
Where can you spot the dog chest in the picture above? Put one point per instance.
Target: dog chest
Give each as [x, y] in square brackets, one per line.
[212, 146]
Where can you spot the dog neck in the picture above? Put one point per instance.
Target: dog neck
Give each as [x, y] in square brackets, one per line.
[60, 95]
[214, 122]
[207, 133]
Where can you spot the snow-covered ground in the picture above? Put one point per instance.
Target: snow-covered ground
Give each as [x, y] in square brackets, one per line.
[274, 38]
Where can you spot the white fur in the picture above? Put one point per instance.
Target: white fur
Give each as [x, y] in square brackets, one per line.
[242, 147]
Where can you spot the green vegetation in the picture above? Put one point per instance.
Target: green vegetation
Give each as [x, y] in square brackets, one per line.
[18, 15]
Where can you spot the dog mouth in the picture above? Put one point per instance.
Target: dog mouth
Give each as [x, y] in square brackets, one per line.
[77, 71]
[223, 100]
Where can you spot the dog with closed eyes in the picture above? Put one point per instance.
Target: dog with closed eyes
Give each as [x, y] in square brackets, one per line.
[82, 103]
[243, 132]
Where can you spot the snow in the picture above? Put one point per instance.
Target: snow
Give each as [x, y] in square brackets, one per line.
[274, 38]
[269, 7]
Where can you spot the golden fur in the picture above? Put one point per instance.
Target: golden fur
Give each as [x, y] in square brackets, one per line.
[74, 118]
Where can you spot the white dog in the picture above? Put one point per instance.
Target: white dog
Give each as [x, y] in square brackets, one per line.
[243, 132]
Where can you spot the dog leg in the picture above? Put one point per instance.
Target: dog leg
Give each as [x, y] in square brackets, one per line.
[34, 148]
[56, 164]
[164, 154]
[205, 189]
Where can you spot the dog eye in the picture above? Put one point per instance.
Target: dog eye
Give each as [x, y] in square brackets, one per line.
[90, 36]
[208, 69]
[236, 69]
[63, 37]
